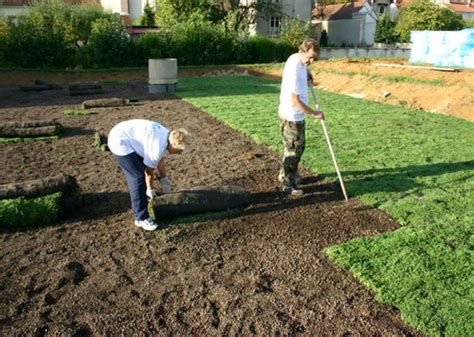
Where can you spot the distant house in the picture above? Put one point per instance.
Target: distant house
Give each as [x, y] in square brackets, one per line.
[289, 9]
[389, 8]
[463, 7]
[348, 24]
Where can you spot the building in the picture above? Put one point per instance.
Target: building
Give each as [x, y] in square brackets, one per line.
[463, 7]
[287, 9]
[347, 24]
[129, 10]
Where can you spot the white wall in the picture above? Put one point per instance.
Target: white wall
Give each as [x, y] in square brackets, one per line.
[13, 10]
[346, 32]
[115, 6]
[294, 8]
[328, 53]
[136, 7]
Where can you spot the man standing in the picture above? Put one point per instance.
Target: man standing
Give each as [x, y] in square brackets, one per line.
[139, 146]
[294, 104]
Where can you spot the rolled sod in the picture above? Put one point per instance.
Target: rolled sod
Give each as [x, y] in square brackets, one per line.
[200, 199]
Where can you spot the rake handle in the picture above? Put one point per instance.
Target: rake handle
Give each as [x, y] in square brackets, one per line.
[330, 147]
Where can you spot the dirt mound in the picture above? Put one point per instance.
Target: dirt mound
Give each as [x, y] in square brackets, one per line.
[449, 93]
[258, 270]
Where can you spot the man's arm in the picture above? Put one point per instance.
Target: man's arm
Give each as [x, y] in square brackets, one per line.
[298, 104]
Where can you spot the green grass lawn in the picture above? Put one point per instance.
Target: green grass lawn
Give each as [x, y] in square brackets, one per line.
[416, 166]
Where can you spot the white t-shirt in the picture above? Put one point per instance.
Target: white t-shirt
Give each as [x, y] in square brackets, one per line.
[294, 81]
[147, 138]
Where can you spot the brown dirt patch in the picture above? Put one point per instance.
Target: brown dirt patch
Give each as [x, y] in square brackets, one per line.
[449, 93]
[259, 270]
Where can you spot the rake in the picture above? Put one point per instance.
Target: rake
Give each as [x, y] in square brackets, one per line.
[330, 146]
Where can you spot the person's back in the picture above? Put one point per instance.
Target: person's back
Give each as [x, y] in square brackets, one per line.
[294, 81]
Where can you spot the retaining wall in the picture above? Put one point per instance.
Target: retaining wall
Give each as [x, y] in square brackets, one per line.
[329, 52]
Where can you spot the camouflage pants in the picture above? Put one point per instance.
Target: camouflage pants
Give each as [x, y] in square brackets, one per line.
[293, 134]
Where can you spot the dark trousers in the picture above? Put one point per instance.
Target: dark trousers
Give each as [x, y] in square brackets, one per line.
[293, 134]
[134, 170]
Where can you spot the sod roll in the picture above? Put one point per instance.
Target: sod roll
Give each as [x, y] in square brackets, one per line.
[39, 187]
[200, 199]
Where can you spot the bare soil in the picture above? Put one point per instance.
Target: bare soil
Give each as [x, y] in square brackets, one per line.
[253, 271]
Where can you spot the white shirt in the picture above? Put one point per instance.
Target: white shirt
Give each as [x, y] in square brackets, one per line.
[147, 138]
[294, 81]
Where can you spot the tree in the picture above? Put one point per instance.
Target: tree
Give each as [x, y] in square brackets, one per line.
[323, 41]
[294, 31]
[148, 18]
[241, 16]
[424, 15]
[170, 12]
[385, 30]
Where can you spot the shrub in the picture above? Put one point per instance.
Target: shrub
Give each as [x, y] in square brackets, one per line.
[201, 42]
[4, 41]
[148, 18]
[151, 45]
[265, 50]
[39, 39]
[469, 22]
[323, 40]
[109, 43]
[50, 34]
[385, 30]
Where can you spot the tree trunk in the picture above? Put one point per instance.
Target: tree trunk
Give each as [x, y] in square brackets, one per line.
[104, 103]
[201, 199]
[50, 130]
[39, 187]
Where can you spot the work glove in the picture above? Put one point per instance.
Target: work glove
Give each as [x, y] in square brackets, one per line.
[150, 193]
[165, 185]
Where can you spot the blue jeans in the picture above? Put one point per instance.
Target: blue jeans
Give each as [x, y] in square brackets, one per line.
[134, 170]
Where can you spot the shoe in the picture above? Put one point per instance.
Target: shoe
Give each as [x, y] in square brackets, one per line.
[292, 190]
[281, 177]
[148, 224]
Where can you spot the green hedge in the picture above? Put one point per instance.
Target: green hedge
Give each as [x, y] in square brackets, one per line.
[29, 43]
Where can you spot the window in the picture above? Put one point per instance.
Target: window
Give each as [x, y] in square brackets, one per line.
[275, 22]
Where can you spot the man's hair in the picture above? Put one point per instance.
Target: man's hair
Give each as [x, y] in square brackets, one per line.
[181, 139]
[307, 45]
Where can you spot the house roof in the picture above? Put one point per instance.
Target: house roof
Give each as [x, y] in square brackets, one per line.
[28, 2]
[337, 11]
[461, 7]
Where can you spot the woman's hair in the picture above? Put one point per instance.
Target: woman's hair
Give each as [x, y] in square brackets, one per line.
[181, 139]
[309, 44]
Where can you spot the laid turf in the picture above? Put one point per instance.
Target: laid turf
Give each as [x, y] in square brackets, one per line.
[416, 166]
[22, 212]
